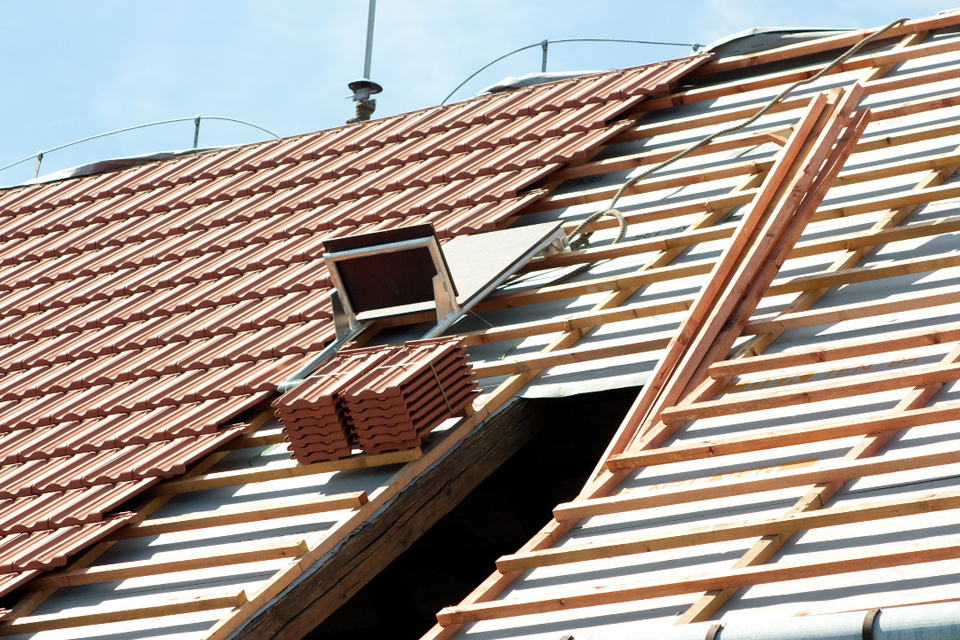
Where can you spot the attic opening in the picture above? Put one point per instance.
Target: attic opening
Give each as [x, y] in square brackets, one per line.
[489, 509]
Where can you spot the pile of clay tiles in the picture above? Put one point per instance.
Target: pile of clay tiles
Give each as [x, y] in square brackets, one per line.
[376, 399]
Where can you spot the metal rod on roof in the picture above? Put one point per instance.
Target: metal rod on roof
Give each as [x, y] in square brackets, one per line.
[368, 57]
[196, 131]
[36, 171]
[543, 62]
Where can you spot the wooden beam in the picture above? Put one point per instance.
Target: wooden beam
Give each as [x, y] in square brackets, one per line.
[210, 557]
[822, 565]
[379, 540]
[650, 185]
[838, 313]
[868, 273]
[856, 240]
[262, 438]
[746, 85]
[820, 45]
[839, 350]
[97, 615]
[712, 488]
[632, 161]
[247, 476]
[763, 441]
[787, 523]
[254, 512]
[707, 119]
[848, 387]
[541, 361]
[596, 285]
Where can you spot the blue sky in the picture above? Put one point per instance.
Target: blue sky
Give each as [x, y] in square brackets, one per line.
[75, 69]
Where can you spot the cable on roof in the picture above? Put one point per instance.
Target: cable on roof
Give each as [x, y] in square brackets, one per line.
[579, 238]
[195, 119]
[543, 44]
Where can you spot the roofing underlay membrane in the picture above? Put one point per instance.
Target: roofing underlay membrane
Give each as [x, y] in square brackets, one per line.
[871, 289]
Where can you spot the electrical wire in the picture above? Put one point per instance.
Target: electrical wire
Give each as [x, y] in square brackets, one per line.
[137, 126]
[579, 238]
[693, 46]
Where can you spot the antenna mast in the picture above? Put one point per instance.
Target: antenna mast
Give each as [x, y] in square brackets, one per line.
[365, 87]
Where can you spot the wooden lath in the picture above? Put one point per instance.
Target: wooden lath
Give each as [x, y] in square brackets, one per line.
[914, 411]
[764, 238]
[865, 511]
[824, 565]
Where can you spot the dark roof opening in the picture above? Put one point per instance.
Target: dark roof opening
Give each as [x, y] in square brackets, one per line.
[497, 517]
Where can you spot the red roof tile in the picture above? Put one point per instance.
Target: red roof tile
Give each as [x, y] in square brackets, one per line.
[141, 310]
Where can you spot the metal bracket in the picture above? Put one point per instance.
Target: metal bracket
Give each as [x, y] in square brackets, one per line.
[344, 323]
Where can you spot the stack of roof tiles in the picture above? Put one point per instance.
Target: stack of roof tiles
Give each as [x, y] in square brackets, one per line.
[409, 394]
[315, 421]
[143, 309]
[379, 399]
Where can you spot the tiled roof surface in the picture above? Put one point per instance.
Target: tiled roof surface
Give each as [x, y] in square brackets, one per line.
[141, 310]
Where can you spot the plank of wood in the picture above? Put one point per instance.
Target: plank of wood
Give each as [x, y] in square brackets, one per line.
[823, 565]
[820, 45]
[699, 176]
[721, 488]
[856, 240]
[818, 432]
[867, 273]
[775, 525]
[596, 285]
[541, 361]
[211, 557]
[724, 116]
[246, 476]
[741, 85]
[839, 350]
[262, 438]
[632, 161]
[712, 117]
[847, 387]
[788, 218]
[98, 615]
[838, 313]
[253, 513]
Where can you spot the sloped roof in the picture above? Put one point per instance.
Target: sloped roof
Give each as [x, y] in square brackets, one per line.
[739, 467]
[800, 425]
[142, 310]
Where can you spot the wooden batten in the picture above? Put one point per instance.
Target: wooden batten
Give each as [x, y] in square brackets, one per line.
[824, 565]
[777, 525]
[219, 556]
[254, 513]
[818, 432]
[839, 471]
[246, 476]
[208, 602]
